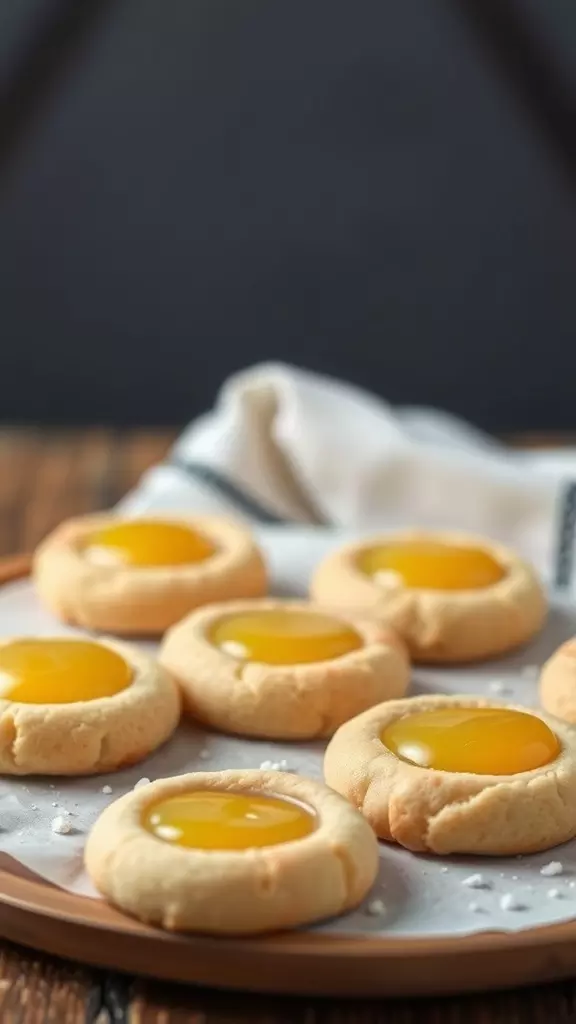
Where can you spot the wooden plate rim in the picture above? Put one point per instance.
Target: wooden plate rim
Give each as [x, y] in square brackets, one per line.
[32, 899]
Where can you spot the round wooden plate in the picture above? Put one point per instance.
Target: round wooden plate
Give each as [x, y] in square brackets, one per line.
[44, 917]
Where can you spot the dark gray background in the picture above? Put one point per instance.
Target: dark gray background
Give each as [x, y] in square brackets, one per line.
[353, 186]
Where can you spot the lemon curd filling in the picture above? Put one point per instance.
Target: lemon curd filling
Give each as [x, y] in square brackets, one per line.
[217, 820]
[285, 637]
[484, 741]
[60, 671]
[147, 542]
[432, 565]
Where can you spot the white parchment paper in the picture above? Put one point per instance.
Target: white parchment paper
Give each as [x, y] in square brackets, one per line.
[421, 895]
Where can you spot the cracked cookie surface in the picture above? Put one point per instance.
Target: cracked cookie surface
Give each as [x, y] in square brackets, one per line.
[83, 737]
[443, 812]
[233, 891]
[281, 701]
[499, 612]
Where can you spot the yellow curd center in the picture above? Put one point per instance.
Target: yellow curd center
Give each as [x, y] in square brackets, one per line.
[285, 637]
[148, 542]
[214, 820]
[484, 741]
[435, 566]
[60, 671]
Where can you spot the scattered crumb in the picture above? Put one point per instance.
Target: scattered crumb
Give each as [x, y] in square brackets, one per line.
[275, 766]
[497, 686]
[54, 803]
[554, 894]
[555, 867]
[107, 790]
[33, 807]
[51, 785]
[141, 783]
[515, 878]
[572, 885]
[444, 870]
[502, 874]
[475, 907]
[511, 902]
[60, 825]
[204, 755]
[376, 908]
[476, 882]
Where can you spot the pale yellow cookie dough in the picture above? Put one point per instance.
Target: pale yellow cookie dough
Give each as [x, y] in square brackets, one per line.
[233, 892]
[88, 736]
[446, 812]
[139, 600]
[292, 701]
[439, 625]
[558, 683]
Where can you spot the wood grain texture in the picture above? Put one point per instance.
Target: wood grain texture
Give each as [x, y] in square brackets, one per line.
[44, 477]
[35, 988]
[151, 1003]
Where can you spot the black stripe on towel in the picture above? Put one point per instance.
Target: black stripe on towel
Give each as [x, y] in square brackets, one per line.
[564, 567]
[233, 494]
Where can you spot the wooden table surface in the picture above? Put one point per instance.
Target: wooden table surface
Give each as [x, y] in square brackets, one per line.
[46, 475]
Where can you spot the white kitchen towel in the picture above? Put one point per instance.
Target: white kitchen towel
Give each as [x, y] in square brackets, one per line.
[286, 447]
